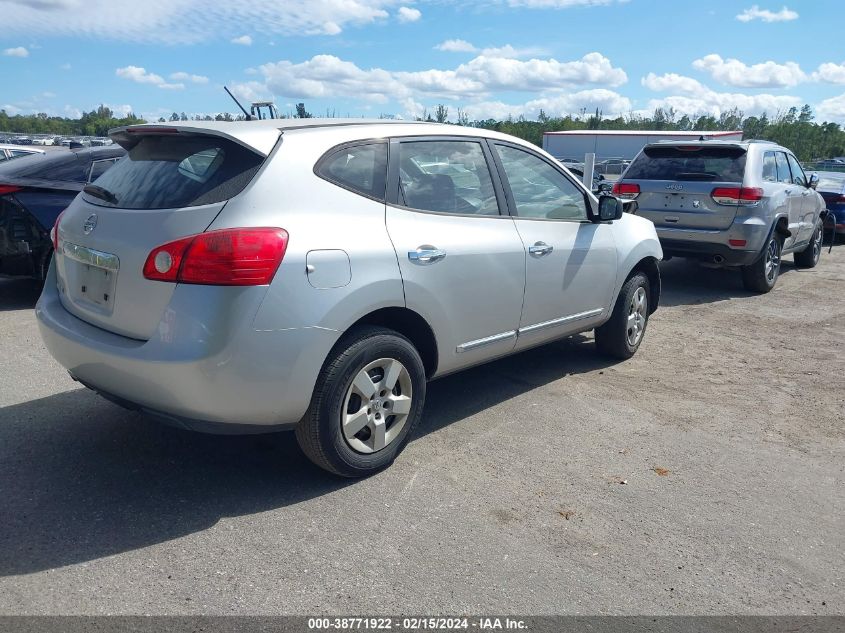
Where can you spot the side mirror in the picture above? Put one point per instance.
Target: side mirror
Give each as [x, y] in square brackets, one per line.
[610, 208]
[814, 181]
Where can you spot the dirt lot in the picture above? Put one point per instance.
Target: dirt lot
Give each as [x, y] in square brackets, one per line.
[705, 475]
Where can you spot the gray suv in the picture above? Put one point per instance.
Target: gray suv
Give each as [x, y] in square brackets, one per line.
[314, 274]
[742, 204]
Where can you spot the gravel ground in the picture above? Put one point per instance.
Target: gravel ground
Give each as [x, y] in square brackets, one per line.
[704, 476]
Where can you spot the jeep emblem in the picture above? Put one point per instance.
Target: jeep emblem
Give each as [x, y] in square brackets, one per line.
[675, 187]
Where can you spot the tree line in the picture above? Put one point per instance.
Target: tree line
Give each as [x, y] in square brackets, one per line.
[796, 128]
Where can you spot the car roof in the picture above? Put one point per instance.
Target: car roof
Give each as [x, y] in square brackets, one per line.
[262, 135]
[60, 166]
[744, 144]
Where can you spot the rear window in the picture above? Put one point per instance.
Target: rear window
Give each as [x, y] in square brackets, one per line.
[361, 168]
[163, 172]
[722, 164]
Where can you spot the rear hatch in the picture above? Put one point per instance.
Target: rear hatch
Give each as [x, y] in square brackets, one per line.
[676, 184]
[171, 184]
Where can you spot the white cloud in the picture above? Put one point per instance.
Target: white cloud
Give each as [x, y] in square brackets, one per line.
[18, 51]
[696, 98]
[140, 75]
[183, 76]
[456, 46]
[508, 51]
[832, 109]
[830, 73]
[407, 14]
[673, 82]
[191, 21]
[243, 40]
[733, 72]
[326, 76]
[756, 13]
[65, 66]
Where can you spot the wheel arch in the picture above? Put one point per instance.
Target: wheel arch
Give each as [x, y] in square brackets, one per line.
[648, 266]
[410, 325]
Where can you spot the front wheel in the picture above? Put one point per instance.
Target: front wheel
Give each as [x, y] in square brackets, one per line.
[621, 336]
[368, 397]
[762, 275]
[810, 256]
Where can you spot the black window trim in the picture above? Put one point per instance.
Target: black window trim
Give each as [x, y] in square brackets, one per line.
[392, 197]
[803, 183]
[346, 145]
[511, 202]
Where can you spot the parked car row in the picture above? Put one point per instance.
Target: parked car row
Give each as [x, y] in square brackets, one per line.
[83, 141]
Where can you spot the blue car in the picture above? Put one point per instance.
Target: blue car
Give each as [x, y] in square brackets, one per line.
[832, 188]
[34, 190]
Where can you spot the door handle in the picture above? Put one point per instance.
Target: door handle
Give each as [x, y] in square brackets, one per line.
[540, 248]
[424, 255]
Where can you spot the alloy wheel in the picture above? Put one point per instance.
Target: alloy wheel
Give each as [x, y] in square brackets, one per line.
[637, 314]
[377, 405]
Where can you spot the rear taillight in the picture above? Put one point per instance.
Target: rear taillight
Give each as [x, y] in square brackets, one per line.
[54, 233]
[737, 196]
[4, 189]
[228, 257]
[627, 190]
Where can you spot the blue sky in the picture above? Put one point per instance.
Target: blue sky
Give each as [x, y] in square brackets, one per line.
[492, 58]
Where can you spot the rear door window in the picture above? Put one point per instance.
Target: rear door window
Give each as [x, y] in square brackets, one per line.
[164, 172]
[798, 177]
[784, 175]
[446, 177]
[359, 168]
[770, 170]
[694, 162]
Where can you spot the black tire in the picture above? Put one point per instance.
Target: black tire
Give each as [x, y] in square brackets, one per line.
[810, 256]
[759, 277]
[320, 433]
[612, 338]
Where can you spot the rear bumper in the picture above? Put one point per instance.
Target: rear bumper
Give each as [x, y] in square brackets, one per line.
[710, 252]
[230, 380]
[714, 245]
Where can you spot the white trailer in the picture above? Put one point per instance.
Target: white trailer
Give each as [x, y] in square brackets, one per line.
[618, 144]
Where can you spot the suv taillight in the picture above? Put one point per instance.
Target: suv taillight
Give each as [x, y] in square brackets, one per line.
[54, 233]
[228, 257]
[4, 189]
[737, 196]
[627, 190]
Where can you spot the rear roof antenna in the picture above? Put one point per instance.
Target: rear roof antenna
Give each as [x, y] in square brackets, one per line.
[248, 116]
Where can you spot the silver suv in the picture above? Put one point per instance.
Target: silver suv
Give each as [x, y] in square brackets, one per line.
[308, 274]
[743, 204]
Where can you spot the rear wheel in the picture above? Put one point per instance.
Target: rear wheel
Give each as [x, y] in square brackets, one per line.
[621, 336]
[368, 398]
[810, 256]
[762, 275]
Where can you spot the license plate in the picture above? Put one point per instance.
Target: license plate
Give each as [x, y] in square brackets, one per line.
[93, 278]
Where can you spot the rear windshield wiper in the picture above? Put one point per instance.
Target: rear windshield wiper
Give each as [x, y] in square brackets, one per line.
[101, 192]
